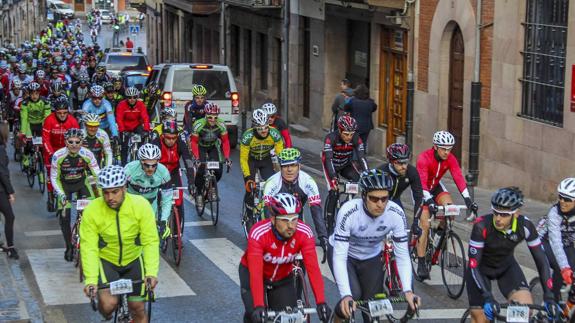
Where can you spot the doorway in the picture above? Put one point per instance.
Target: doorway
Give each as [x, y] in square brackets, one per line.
[456, 63]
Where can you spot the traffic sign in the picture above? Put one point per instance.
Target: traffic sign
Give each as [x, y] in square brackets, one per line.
[134, 29]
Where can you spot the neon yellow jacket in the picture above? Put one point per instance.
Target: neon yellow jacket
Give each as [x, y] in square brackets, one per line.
[118, 231]
[256, 148]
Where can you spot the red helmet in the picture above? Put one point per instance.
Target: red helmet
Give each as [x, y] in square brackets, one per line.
[284, 204]
[398, 152]
[211, 108]
[346, 123]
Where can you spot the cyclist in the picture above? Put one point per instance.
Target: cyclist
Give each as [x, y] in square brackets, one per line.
[266, 269]
[493, 240]
[33, 112]
[432, 164]
[131, 245]
[354, 252]
[194, 110]
[14, 97]
[173, 146]
[168, 114]
[118, 86]
[208, 142]
[291, 179]
[256, 147]
[53, 130]
[278, 123]
[557, 232]
[101, 76]
[100, 106]
[70, 168]
[343, 155]
[80, 90]
[57, 92]
[132, 117]
[147, 177]
[111, 95]
[44, 84]
[97, 140]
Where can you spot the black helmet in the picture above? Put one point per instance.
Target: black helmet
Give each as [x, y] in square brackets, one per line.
[398, 152]
[375, 179]
[60, 103]
[508, 198]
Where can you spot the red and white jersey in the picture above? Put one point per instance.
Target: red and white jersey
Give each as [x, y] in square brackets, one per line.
[432, 170]
[271, 259]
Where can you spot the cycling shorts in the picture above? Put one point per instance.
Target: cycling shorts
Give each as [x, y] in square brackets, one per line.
[509, 281]
[134, 271]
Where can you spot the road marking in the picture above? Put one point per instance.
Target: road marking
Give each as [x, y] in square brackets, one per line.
[436, 276]
[436, 314]
[59, 282]
[223, 253]
[197, 223]
[325, 271]
[43, 233]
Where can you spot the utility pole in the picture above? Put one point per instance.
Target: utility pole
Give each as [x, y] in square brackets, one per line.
[223, 32]
[285, 60]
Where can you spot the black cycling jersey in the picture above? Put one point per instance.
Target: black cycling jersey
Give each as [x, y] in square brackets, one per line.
[338, 154]
[401, 183]
[491, 251]
[95, 146]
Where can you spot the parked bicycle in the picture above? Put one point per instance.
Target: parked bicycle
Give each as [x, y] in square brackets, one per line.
[445, 249]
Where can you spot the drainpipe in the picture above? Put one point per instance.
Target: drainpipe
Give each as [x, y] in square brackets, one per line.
[410, 81]
[474, 129]
[223, 32]
[285, 60]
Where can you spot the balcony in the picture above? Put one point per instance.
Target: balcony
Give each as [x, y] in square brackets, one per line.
[256, 4]
[397, 4]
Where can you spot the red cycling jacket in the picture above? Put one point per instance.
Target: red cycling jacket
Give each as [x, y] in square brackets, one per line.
[270, 259]
[129, 118]
[53, 133]
[432, 170]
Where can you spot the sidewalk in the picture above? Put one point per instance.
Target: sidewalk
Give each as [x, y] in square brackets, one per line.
[16, 302]
[311, 151]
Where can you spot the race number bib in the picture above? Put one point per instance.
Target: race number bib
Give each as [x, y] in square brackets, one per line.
[351, 188]
[380, 308]
[292, 318]
[212, 165]
[452, 210]
[81, 204]
[136, 138]
[37, 140]
[121, 287]
[518, 314]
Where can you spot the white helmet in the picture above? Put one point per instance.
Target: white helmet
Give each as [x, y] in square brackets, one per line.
[260, 117]
[112, 176]
[269, 108]
[567, 187]
[443, 138]
[149, 152]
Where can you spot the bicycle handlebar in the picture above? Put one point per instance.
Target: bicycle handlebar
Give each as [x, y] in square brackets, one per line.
[306, 310]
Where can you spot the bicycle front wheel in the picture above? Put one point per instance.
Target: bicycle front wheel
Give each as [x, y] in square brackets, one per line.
[176, 237]
[214, 200]
[453, 265]
[329, 219]
[466, 317]
[31, 172]
[41, 177]
[302, 291]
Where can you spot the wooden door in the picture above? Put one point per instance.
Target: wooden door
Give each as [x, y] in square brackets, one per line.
[79, 5]
[393, 83]
[456, 63]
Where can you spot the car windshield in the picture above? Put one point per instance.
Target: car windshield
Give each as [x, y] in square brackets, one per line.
[118, 62]
[216, 82]
[137, 81]
[61, 6]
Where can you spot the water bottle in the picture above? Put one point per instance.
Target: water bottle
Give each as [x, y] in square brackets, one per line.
[437, 238]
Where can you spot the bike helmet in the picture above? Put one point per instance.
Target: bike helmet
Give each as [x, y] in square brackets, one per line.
[373, 180]
[84, 78]
[111, 177]
[284, 204]
[211, 108]
[108, 86]
[132, 92]
[170, 127]
[17, 84]
[73, 132]
[97, 91]
[116, 78]
[57, 86]
[289, 156]
[443, 139]
[259, 117]
[199, 90]
[60, 103]
[91, 119]
[398, 152]
[62, 68]
[149, 152]
[346, 123]
[101, 67]
[508, 198]
[40, 74]
[21, 69]
[168, 112]
[269, 108]
[567, 188]
[34, 86]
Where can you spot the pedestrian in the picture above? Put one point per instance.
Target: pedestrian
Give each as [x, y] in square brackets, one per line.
[129, 44]
[361, 107]
[6, 193]
[339, 101]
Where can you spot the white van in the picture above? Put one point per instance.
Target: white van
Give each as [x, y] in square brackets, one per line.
[60, 9]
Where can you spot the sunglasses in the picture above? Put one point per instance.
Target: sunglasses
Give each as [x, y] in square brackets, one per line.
[375, 199]
[263, 128]
[146, 165]
[400, 162]
[132, 98]
[74, 142]
[98, 98]
[199, 97]
[565, 199]
[503, 214]
[170, 137]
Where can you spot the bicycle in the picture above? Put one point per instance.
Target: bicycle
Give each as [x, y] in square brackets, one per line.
[392, 281]
[36, 166]
[255, 195]
[515, 312]
[80, 205]
[567, 307]
[348, 188]
[380, 308]
[444, 248]
[210, 190]
[175, 224]
[122, 288]
[134, 142]
[17, 142]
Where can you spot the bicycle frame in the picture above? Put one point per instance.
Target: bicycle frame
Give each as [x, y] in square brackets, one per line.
[390, 267]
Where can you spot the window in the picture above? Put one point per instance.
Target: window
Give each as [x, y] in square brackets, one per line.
[544, 60]
[263, 52]
[216, 82]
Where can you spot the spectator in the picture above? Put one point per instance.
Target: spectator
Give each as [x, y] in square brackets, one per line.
[129, 44]
[6, 193]
[361, 107]
[339, 101]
